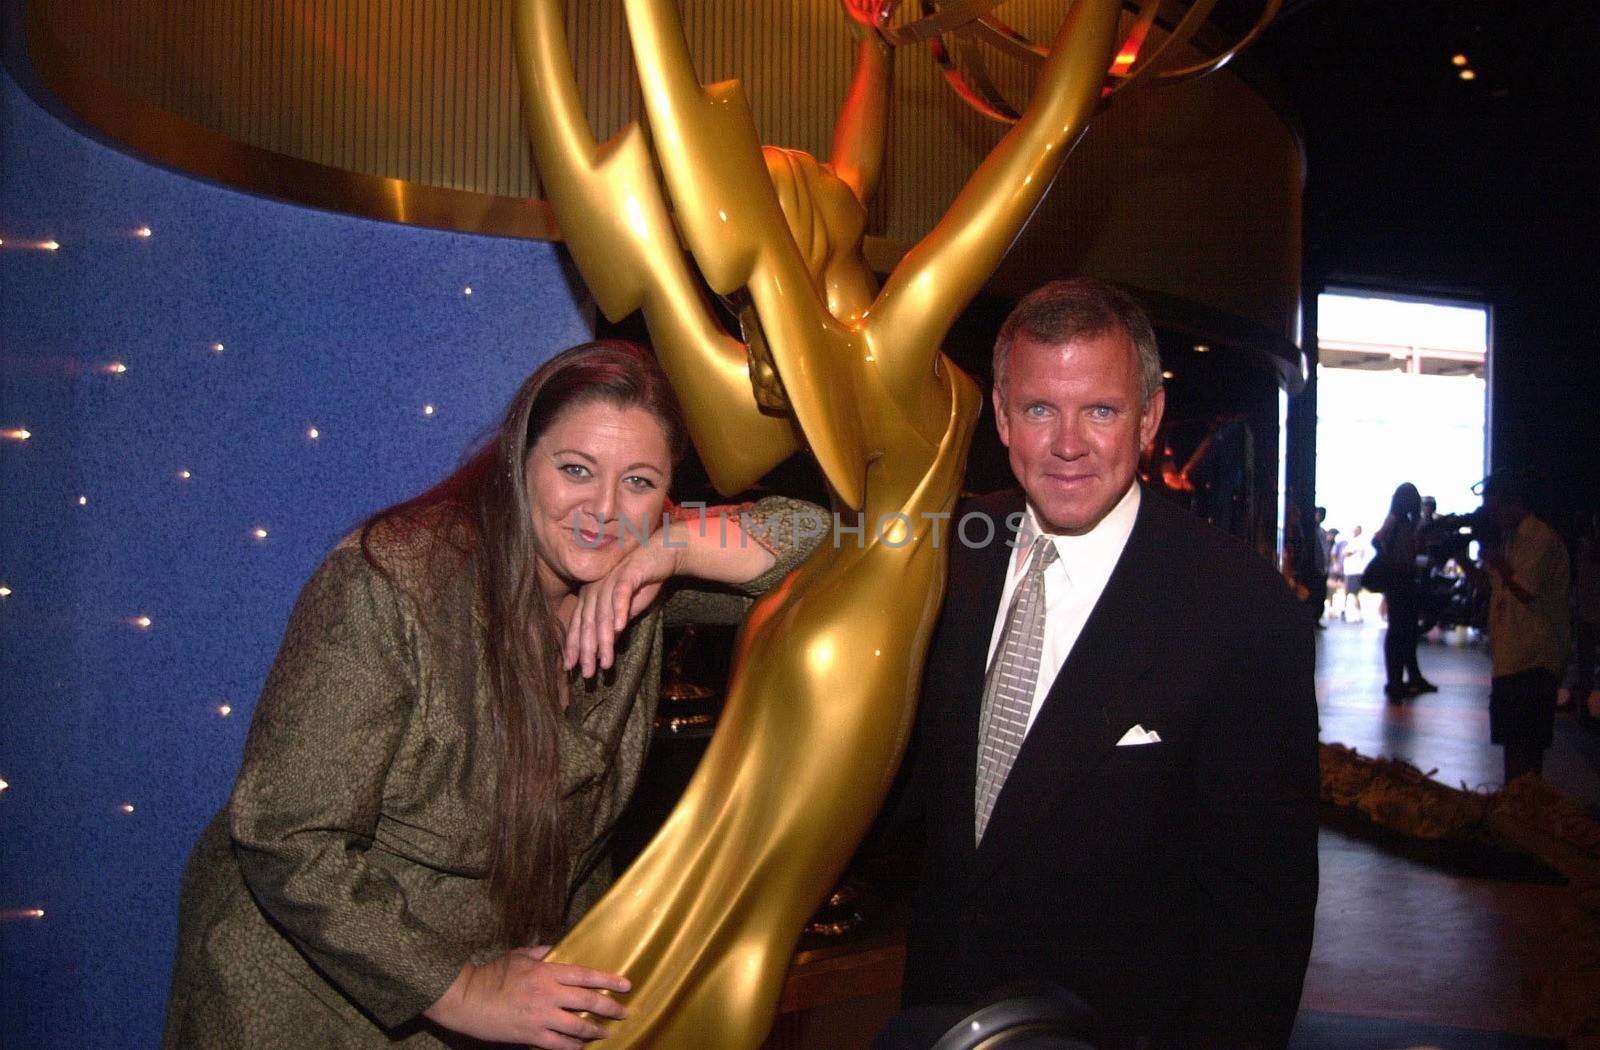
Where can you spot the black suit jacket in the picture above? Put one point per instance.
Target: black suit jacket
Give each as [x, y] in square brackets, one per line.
[1171, 885]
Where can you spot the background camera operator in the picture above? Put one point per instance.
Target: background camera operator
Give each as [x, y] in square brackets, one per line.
[1528, 624]
[1453, 596]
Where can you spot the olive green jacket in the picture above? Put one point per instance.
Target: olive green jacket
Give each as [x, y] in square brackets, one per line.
[344, 886]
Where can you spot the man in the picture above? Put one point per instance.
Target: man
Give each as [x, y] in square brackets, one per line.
[1150, 844]
[1318, 543]
[1356, 555]
[1529, 629]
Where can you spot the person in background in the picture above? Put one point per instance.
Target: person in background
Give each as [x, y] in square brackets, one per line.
[436, 762]
[1396, 541]
[1529, 628]
[1336, 547]
[1357, 552]
[1319, 544]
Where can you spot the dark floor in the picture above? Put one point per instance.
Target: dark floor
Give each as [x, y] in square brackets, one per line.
[1409, 954]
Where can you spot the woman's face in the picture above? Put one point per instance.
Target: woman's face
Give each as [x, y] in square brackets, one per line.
[597, 480]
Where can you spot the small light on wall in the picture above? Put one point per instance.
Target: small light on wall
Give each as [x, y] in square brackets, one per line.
[10, 914]
[144, 231]
[115, 368]
[50, 246]
[313, 433]
[224, 710]
[1467, 74]
[83, 501]
[1202, 348]
[428, 410]
[1458, 60]
[1169, 374]
[126, 807]
[259, 533]
[184, 475]
[3, 785]
[141, 622]
[5, 592]
[217, 348]
[467, 290]
[16, 434]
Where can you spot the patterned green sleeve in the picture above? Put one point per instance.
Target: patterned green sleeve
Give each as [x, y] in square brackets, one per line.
[306, 806]
[790, 528]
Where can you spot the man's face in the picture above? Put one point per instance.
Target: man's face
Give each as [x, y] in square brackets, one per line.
[1506, 512]
[1074, 423]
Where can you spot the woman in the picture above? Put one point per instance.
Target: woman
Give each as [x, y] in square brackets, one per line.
[434, 769]
[1396, 542]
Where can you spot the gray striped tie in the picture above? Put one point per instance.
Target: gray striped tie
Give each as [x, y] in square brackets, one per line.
[1008, 687]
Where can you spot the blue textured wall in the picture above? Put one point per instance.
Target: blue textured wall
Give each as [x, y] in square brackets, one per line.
[345, 325]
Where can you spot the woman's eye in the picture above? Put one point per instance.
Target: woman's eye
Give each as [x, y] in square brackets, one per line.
[642, 484]
[574, 470]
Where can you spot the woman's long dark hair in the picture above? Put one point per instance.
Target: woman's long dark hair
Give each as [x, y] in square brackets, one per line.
[1406, 503]
[481, 515]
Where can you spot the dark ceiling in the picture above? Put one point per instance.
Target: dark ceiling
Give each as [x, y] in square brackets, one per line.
[1420, 180]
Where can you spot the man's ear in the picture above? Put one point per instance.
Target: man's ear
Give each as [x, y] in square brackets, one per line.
[1150, 422]
[1001, 423]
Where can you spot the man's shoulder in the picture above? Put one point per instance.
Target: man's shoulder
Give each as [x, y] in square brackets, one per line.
[1219, 562]
[979, 522]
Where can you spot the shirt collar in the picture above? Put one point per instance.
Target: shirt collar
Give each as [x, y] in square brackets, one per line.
[1095, 553]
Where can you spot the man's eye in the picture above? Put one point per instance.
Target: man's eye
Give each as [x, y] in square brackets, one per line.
[1037, 411]
[1103, 412]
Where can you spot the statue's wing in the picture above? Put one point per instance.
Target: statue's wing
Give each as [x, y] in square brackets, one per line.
[616, 225]
[730, 218]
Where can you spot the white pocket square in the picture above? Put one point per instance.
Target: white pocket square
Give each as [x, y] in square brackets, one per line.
[1139, 735]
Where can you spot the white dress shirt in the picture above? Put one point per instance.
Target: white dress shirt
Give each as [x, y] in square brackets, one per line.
[1072, 585]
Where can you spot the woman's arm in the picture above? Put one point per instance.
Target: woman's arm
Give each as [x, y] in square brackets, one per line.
[307, 803]
[748, 549]
[306, 809]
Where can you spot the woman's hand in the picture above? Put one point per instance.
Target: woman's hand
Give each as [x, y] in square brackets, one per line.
[605, 606]
[520, 998]
[706, 543]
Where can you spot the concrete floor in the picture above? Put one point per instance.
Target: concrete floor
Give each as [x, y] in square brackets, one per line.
[1401, 940]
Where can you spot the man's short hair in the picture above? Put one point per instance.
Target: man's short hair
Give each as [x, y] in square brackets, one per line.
[1079, 308]
[1513, 486]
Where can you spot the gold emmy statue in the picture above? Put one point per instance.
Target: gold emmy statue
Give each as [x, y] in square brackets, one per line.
[827, 667]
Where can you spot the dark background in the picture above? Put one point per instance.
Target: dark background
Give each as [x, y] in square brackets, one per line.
[1419, 181]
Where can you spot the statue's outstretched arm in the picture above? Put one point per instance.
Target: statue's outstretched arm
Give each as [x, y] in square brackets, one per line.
[858, 139]
[615, 224]
[936, 280]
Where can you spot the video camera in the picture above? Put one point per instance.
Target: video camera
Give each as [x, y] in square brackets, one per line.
[1450, 536]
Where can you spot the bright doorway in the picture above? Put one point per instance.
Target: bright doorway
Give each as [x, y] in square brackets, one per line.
[1402, 395]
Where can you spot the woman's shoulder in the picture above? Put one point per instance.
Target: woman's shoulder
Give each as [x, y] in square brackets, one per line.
[411, 545]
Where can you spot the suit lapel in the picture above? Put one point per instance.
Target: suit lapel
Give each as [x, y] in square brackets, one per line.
[1092, 702]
